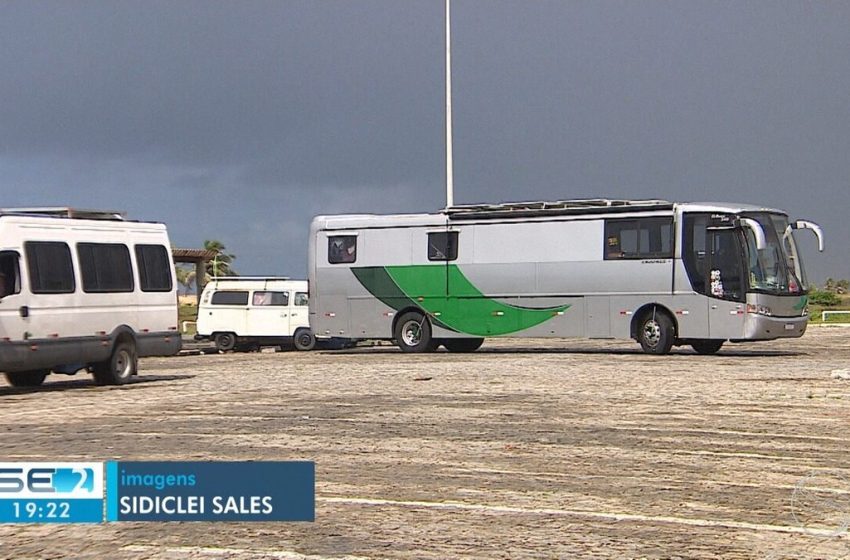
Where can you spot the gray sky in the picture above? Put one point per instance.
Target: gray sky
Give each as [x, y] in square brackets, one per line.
[241, 120]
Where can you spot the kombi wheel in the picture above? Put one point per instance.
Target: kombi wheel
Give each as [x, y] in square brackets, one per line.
[32, 378]
[463, 344]
[413, 333]
[120, 367]
[706, 346]
[656, 333]
[225, 342]
[304, 340]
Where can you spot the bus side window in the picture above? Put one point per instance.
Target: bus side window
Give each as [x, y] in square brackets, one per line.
[342, 249]
[10, 273]
[442, 246]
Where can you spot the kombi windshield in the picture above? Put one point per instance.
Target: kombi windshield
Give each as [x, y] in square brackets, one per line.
[777, 268]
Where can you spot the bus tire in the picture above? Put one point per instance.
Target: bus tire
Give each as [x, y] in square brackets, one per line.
[656, 333]
[120, 367]
[706, 346]
[463, 344]
[225, 342]
[32, 378]
[304, 340]
[413, 333]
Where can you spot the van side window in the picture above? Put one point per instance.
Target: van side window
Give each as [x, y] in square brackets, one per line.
[50, 268]
[643, 238]
[301, 299]
[442, 246]
[342, 249]
[270, 298]
[154, 268]
[105, 267]
[10, 274]
[230, 297]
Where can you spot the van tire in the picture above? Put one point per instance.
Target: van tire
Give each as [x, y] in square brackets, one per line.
[463, 344]
[706, 346]
[225, 342]
[32, 378]
[120, 367]
[413, 333]
[304, 340]
[656, 333]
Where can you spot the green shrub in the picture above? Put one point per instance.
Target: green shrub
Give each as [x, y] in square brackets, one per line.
[822, 297]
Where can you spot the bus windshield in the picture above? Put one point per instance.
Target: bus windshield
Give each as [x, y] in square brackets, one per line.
[776, 269]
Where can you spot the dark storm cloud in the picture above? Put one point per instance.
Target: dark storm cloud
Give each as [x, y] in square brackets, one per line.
[241, 120]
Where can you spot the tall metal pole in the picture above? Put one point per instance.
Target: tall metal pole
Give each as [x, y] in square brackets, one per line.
[450, 194]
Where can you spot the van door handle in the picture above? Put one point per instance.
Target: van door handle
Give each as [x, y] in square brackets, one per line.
[24, 311]
[714, 307]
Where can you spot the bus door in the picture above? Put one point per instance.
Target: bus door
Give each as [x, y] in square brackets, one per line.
[725, 282]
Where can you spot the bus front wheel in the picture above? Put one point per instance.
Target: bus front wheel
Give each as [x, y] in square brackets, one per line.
[706, 346]
[463, 344]
[32, 378]
[656, 333]
[413, 333]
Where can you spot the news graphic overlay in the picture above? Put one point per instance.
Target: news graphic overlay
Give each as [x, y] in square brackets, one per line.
[210, 491]
[57, 492]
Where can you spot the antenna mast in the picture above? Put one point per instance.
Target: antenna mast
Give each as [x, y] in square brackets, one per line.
[449, 164]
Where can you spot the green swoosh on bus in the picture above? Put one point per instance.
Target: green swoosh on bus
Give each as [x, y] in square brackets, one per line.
[467, 310]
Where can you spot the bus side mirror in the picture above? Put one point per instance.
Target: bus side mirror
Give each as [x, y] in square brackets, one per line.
[758, 232]
[805, 224]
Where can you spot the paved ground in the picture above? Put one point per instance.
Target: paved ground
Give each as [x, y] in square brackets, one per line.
[526, 449]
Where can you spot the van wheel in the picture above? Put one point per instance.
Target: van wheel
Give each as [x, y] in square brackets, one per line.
[32, 378]
[225, 341]
[463, 344]
[304, 340]
[706, 346]
[413, 333]
[656, 333]
[119, 368]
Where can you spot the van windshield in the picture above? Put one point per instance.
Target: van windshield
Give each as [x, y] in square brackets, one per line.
[776, 269]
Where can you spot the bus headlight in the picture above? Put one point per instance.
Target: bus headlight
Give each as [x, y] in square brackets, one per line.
[759, 309]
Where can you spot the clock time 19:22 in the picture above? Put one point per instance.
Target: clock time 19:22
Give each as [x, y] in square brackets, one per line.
[43, 510]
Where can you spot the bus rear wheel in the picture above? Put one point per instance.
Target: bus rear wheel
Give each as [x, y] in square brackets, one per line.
[463, 344]
[32, 378]
[119, 368]
[656, 333]
[413, 333]
[706, 346]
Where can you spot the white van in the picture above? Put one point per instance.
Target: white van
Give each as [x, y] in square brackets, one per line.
[83, 290]
[242, 312]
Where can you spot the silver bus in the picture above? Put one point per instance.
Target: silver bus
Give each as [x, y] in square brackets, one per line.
[662, 273]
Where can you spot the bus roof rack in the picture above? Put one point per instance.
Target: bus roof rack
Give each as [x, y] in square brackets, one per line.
[65, 212]
[556, 207]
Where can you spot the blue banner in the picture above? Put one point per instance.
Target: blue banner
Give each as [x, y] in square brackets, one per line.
[207, 491]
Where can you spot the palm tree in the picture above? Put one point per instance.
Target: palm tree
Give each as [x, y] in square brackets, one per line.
[221, 264]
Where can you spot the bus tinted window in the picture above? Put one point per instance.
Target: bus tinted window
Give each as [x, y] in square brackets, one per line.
[154, 268]
[232, 297]
[442, 246]
[105, 267]
[342, 249]
[49, 266]
[644, 238]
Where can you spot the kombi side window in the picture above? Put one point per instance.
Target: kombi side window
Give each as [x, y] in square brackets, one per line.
[442, 246]
[301, 299]
[154, 268]
[230, 297]
[50, 268]
[105, 267]
[270, 298]
[10, 273]
[643, 238]
[342, 249]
